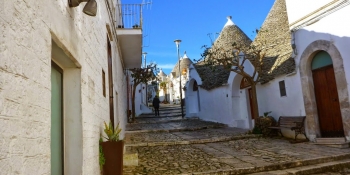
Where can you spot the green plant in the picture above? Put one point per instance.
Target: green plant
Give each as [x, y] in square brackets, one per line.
[267, 113]
[112, 133]
[256, 130]
[101, 159]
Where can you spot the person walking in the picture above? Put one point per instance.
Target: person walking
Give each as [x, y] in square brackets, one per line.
[156, 105]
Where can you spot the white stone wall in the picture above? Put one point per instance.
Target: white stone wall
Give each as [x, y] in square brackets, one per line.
[330, 28]
[226, 104]
[27, 28]
[269, 97]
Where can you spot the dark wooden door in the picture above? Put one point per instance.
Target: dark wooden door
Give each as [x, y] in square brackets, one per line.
[327, 101]
[110, 82]
[251, 103]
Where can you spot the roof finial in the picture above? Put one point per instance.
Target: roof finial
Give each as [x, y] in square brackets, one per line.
[229, 21]
[185, 55]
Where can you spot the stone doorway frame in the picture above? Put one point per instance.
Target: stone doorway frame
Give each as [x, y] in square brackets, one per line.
[312, 122]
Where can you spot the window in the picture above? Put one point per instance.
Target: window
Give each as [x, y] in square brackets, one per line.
[103, 83]
[283, 91]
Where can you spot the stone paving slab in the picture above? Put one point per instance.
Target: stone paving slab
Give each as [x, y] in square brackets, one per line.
[181, 125]
[322, 168]
[233, 157]
[185, 137]
[158, 119]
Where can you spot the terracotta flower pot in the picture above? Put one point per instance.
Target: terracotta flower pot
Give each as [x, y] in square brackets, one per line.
[113, 152]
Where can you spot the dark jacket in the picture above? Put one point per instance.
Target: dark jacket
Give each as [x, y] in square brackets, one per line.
[156, 102]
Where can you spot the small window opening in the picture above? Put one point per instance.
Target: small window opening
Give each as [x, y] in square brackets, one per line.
[283, 91]
[103, 83]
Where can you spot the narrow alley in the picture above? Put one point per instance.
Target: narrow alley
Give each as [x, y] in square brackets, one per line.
[171, 145]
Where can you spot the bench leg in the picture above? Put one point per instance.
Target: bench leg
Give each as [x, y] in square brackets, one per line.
[280, 132]
[299, 131]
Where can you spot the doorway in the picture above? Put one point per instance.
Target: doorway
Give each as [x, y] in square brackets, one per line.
[251, 103]
[326, 94]
[110, 82]
[57, 152]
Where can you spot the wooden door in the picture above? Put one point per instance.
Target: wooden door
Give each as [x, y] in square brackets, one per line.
[251, 103]
[327, 101]
[110, 82]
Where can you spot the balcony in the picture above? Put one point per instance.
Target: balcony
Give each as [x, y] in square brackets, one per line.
[129, 33]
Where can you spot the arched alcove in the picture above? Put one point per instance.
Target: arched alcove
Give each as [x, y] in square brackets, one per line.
[193, 97]
[316, 50]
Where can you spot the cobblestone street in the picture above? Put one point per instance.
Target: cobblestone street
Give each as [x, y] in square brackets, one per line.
[171, 145]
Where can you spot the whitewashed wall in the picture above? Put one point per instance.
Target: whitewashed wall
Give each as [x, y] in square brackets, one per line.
[226, 104]
[332, 28]
[269, 97]
[27, 28]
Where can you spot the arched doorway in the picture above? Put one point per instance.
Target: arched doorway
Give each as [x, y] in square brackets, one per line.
[326, 95]
[312, 119]
[245, 84]
[193, 97]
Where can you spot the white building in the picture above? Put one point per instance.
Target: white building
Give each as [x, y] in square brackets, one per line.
[214, 95]
[62, 74]
[174, 79]
[305, 73]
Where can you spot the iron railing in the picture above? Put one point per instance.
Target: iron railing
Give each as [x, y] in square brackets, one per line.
[130, 16]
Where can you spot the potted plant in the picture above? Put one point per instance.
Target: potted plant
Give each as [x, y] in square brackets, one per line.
[263, 123]
[113, 150]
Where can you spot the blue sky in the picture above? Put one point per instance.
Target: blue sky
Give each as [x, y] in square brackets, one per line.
[192, 21]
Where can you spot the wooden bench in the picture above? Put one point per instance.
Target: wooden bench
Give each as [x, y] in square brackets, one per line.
[294, 123]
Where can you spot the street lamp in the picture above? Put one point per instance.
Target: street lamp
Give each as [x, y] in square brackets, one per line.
[144, 56]
[177, 42]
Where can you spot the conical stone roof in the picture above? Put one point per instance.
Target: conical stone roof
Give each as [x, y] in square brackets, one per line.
[161, 73]
[276, 36]
[229, 35]
[185, 63]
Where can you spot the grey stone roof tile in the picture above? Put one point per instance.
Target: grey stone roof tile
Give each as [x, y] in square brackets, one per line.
[275, 35]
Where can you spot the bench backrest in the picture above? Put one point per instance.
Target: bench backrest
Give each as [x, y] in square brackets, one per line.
[289, 121]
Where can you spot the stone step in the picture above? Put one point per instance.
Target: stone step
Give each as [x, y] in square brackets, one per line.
[333, 142]
[193, 141]
[302, 167]
[179, 129]
[130, 156]
[130, 159]
[334, 166]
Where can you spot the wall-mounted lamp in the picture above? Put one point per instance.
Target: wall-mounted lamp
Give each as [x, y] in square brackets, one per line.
[184, 71]
[90, 7]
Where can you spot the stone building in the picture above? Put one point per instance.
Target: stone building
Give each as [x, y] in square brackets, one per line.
[210, 94]
[62, 74]
[304, 73]
[174, 79]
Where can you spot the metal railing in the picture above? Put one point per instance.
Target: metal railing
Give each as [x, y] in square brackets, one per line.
[130, 16]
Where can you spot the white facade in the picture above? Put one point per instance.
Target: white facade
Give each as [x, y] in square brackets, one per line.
[34, 36]
[329, 33]
[226, 104]
[230, 105]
